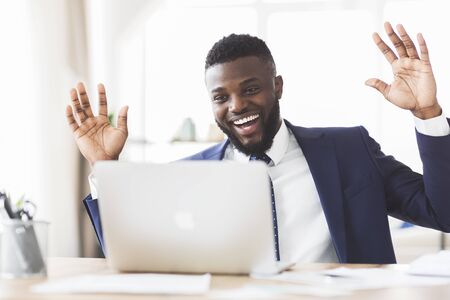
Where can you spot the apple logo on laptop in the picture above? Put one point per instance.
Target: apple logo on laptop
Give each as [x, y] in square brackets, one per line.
[184, 220]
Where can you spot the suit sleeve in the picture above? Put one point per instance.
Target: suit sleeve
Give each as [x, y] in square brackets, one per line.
[420, 199]
[91, 206]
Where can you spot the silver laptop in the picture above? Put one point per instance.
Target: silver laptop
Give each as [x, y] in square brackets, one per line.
[187, 216]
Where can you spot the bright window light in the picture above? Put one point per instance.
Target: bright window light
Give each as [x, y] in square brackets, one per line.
[325, 59]
[176, 50]
[17, 105]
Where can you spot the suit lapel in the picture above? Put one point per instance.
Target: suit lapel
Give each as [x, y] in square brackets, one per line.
[320, 155]
[217, 152]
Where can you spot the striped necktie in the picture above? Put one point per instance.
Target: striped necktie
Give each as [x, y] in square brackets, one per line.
[265, 158]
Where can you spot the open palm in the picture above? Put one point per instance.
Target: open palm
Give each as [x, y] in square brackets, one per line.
[414, 85]
[94, 135]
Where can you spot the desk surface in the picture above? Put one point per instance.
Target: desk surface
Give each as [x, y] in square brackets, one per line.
[63, 267]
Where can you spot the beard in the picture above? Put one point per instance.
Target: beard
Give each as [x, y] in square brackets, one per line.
[270, 128]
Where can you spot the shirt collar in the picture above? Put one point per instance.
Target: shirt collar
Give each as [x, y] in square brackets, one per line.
[276, 152]
[280, 144]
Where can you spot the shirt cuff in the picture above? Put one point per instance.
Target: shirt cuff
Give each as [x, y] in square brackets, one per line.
[437, 126]
[93, 185]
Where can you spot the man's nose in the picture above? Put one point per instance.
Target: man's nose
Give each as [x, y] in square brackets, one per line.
[237, 104]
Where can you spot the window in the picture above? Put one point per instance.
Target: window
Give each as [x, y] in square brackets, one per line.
[177, 47]
[325, 60]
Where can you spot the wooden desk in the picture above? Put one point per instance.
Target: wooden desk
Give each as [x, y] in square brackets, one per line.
[63, 267]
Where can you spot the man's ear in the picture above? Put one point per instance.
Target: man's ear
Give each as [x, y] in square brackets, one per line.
[278, 87]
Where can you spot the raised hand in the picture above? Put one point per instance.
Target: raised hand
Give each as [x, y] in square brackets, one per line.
[94, 135]
[414, 86]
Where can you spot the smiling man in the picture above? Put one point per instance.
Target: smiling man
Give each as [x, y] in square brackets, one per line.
[244, 90]
[333, 188]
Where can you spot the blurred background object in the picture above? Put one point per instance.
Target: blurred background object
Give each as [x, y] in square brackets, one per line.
[150, 55]
[186, 132]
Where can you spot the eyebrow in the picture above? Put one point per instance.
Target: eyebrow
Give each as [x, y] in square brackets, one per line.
[245, 82]
[217, 89]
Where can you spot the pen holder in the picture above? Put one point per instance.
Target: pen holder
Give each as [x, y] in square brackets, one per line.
[23, 248]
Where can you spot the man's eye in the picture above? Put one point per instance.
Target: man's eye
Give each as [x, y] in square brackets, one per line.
[220, 98]
[252, 90]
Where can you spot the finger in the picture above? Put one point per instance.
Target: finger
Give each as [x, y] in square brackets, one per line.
[388, 53]
[409, 45]
[396, 41]
[85, 105]
[122, 120]
[76, 104]
[70, 119]
[423, 48]
[379, 85]
[103, 105]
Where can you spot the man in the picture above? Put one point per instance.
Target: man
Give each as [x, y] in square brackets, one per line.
[333, 187]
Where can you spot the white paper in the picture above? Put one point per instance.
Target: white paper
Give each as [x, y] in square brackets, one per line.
[432, 264]
[128, 284]
[375, 278]
[358, 278]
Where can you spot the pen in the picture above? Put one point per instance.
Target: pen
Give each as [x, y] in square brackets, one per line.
[5, 207]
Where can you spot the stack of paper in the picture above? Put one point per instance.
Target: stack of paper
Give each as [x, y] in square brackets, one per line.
[375, 278]
[358, 278]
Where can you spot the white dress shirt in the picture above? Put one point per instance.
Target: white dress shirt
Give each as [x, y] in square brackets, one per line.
[302, 228]
[303, 233]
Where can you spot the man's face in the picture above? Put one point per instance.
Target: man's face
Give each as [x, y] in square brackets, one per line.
[244, 95]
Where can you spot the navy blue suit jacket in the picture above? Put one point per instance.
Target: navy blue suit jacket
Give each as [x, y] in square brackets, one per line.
[359, 186]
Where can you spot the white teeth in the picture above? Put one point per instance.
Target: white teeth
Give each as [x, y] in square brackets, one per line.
[246, 119]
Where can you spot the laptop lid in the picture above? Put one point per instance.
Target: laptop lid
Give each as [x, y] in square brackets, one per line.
[187, 216]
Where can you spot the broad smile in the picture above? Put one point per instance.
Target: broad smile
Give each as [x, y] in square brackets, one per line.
[246, 125]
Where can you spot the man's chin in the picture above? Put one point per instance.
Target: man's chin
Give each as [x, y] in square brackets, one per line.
[250, 142]
[248, 145]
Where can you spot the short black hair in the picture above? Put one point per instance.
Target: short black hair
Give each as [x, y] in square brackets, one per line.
[235, 46]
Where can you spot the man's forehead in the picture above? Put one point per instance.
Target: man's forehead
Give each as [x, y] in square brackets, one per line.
[239, 69]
